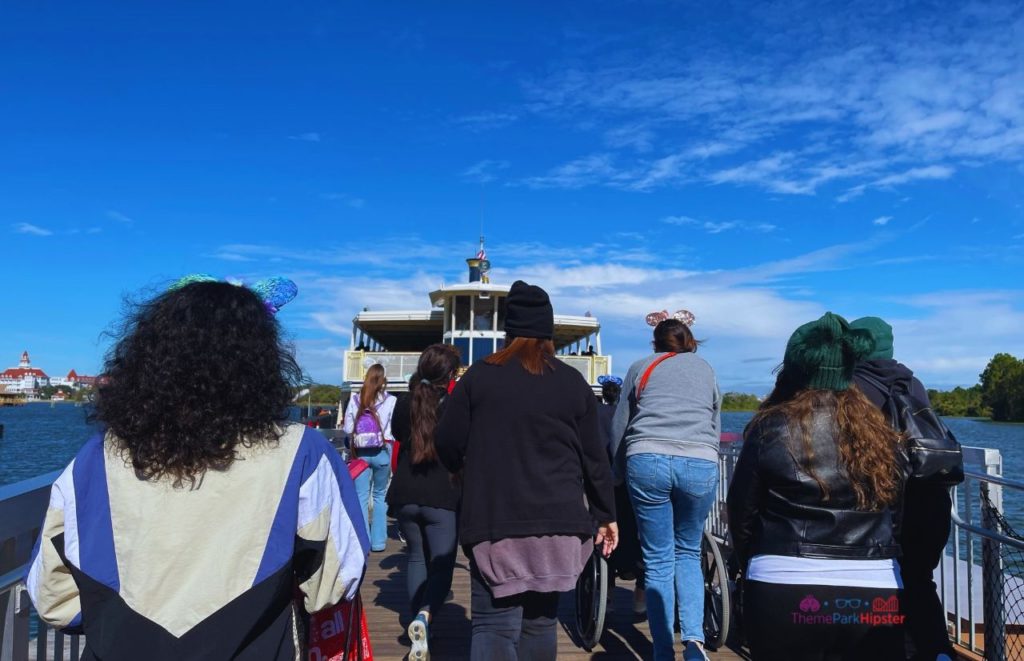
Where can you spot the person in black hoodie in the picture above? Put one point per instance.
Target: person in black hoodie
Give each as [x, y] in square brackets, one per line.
[423, 494]
[925, 521]
[524, 427]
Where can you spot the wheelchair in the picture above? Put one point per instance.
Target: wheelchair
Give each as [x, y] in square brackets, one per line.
[591, 597]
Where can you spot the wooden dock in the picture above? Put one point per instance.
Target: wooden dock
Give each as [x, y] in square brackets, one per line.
[384, 596]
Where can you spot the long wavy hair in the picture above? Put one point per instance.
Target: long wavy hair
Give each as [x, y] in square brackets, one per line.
[374, 383]
[868, 446]
[194, 373]
[437, 366]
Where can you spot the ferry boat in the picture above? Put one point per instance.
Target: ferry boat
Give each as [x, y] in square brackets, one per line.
[469, 316]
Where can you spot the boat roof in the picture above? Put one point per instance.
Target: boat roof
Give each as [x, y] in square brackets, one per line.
[466, 288]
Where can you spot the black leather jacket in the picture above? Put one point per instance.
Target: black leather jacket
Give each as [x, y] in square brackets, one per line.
[776, 508]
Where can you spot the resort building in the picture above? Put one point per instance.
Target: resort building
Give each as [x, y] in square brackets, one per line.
[24, 378]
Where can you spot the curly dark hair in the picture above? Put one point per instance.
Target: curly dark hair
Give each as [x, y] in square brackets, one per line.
[194, 373]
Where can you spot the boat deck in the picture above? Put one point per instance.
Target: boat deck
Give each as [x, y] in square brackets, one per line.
[384, 596]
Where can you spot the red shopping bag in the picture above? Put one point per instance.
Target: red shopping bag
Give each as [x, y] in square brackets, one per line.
[395, 446]
[339, 633]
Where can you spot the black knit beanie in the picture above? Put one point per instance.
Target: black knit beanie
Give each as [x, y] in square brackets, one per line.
[528, 312]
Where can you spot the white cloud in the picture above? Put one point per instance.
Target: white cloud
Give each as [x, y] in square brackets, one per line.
[717, 227]
[485, 121]
[871, 100]
[119, 217]
[306, 137]
[345, 198]
[746, 314]
[29, 228]
[881, 221]
[586, 171]
[484, 171]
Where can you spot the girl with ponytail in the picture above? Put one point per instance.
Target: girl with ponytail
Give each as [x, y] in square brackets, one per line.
[422, 494]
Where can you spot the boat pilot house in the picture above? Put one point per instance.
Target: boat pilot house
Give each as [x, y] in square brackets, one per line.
[470, 316]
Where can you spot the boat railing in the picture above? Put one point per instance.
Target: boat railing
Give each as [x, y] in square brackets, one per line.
[981, 577]
[399, 365]
[22, 508]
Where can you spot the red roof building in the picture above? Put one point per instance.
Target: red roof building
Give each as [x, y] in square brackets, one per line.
[24, 369]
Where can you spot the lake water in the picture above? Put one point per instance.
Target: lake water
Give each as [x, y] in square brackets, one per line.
[40, 438]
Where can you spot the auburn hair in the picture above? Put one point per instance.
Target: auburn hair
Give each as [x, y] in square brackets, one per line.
[534, 354]
[437, 366]
[674, 335]
[374, 382]
[868, 446]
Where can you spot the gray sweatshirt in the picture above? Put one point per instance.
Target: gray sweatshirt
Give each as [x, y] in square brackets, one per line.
[678, 414]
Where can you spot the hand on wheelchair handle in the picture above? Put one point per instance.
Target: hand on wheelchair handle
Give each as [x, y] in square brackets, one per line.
[608, 536]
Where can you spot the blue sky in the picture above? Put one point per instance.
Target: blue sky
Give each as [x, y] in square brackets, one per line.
[755, 164]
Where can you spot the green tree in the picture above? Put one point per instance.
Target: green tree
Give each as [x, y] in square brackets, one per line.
[738, 401]
[323, 393]
[1002, 387]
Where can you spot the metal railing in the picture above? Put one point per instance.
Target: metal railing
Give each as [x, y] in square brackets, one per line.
[22, 507]
[981, 577]
[399, 365]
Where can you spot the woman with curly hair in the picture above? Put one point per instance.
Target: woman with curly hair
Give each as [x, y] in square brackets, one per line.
[181, 530]
[811, 508]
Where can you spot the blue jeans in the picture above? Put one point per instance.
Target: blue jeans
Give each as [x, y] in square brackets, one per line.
[376, 475]
[672, 497]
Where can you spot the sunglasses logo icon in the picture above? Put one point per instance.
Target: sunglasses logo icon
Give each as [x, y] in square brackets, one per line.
[849, 603]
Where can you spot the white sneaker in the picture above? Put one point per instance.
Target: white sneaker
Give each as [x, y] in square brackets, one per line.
[418, 635]
[694, 651]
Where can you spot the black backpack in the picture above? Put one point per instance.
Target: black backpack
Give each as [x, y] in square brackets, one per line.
[935, 456]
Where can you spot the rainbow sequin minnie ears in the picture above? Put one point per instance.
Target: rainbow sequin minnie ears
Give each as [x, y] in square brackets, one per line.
[685, 316]
[275, 292]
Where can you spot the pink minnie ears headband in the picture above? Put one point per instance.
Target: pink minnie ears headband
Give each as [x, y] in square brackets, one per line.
[685, 316]
[275, 292]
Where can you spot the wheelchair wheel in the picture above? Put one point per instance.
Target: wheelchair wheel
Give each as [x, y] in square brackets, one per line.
[717, 600]
[591, 600]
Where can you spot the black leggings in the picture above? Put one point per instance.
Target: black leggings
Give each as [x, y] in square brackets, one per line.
[819, 622]
[431, 535]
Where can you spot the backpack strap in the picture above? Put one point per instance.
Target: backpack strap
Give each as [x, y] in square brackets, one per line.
[642, 385]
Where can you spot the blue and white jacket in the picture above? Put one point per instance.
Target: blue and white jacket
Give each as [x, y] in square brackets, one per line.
[147, 570]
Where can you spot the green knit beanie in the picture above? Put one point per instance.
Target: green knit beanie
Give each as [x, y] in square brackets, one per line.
[881, 333]
[821, 354]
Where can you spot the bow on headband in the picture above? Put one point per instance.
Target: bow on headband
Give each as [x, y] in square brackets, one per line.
[685, 316]
[609, 378]
[275, 292]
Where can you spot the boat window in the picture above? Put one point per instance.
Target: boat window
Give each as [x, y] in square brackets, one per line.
[483, 318]
[482, 347]
[462, 344]
[501, 313]
[462, 312]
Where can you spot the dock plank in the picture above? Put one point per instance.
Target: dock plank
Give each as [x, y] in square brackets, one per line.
[384, 596]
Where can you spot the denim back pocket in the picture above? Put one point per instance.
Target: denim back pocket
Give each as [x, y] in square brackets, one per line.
[700, 477]
[647, 475]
